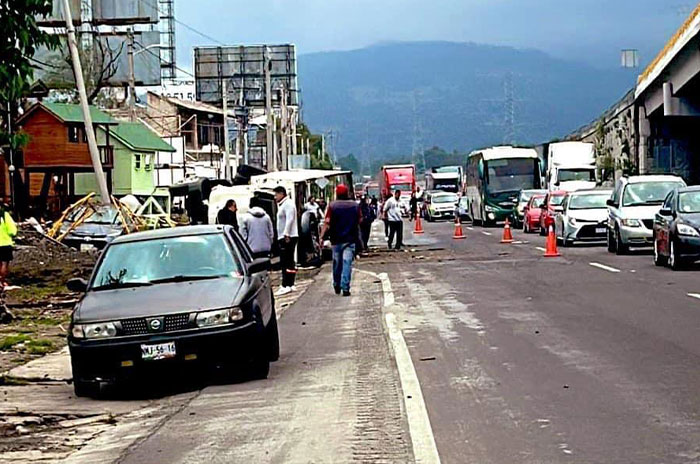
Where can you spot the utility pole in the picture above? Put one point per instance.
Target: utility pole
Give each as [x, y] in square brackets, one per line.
[271, 154]
[132, 74]
[87, 118]
[227, 143]
[285, 128]
[323, 146]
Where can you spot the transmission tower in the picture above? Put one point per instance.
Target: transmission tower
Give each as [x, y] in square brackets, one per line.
[166, 12]
[509, 109]
[417, 150]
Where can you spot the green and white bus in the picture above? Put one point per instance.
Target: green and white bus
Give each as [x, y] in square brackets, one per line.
[495, 177]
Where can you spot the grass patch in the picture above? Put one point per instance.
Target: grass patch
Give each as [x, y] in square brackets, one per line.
[40, 346]
[9, 341]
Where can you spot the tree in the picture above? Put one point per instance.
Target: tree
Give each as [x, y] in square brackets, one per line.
[20, 38]
[99, 61]
[350, 163]
[318, 160]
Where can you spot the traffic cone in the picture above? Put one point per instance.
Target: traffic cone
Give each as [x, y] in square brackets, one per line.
[459, 233]
[507, 233]
[551, 247]
[419, 226]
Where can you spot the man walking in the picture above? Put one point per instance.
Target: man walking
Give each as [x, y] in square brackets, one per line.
[227, 215]
[287, 236]
[368, 217]
[342, 223]
[392, 211]
[257, 231]
[413, 203]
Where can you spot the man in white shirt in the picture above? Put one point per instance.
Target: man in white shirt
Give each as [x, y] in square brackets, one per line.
[392, 211]
[287, 237]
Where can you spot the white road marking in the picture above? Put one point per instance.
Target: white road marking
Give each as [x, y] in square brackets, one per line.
[424, 447]
[604, 267]
[486, 233]
[422, 438]
[694, 295]
[470, 228]
[540, 248]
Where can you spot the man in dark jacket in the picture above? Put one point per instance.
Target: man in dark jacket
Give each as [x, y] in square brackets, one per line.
[342, 223]
[227, 215]
[368, 217]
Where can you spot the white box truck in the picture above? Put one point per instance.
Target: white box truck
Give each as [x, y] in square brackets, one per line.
[571, 166]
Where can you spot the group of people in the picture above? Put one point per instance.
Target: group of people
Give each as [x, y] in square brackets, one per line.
[346, 223]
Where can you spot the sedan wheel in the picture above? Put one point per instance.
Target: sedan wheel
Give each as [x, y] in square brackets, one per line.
[611, 241]
[674, 261]
[525, 227]
[620, 248]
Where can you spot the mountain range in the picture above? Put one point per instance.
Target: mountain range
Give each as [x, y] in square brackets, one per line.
[390, 99]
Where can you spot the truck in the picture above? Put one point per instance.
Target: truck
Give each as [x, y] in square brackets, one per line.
[398, 177]
[445, 178]
[571, 166]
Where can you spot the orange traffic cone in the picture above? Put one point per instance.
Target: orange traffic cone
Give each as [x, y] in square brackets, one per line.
[419, 226]
[551, 247]
[459, 233]
[507, 233]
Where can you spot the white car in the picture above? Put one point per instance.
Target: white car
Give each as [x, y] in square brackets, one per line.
[583, 218]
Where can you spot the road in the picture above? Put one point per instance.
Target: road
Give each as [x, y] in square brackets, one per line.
[587, 358]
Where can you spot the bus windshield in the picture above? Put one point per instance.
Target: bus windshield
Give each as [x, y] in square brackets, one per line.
[507, 175]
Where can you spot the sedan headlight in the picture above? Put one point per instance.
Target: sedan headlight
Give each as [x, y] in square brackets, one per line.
[685, 229]
[489, 209]
[218, 317]
[92, 331]
[631, 223]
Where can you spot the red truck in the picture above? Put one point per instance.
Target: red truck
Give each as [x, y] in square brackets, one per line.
[397, 177]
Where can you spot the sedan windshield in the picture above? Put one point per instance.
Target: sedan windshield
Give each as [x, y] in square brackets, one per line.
[589, 201]
[689, 202]
[105, 215]
[648, 193]
[445, 199]
[537, 202]
[174, 259]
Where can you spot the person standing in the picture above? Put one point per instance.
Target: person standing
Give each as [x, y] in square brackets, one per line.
[368, 217]
[312, 206]
[8, 232]
[227, 215]
[413, 203]
[392, 211]
[287, 236]
[342, 224]
[257, 230]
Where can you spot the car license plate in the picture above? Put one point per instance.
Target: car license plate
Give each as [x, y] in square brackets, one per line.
[158, 352]
[87, 247]
[600, 230]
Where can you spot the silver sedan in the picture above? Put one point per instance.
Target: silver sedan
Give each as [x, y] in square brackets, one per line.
[583, 217]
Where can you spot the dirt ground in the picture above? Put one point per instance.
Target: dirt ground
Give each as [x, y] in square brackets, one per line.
[42, 304]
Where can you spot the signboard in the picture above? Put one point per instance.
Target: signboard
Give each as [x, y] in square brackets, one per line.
[53, 68]
[120, 12]
[182, 90]
[56, 17]
[243, 68]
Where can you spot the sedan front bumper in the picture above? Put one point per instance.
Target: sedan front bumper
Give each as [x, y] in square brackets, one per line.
[121, 358]
[688, 247]
[585, 232]
[636, 236]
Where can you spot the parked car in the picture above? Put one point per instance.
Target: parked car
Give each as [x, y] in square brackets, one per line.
[168, 299]
[550, 208]
[532, 212]
[92, 227]
[523, 199]
[677, 229]
[440, 205]
[633, 207]
[463, 209]
[584, 217]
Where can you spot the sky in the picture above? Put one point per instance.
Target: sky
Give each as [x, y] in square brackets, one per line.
[593, 31]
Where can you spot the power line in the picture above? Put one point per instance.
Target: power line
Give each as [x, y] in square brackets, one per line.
[157, 55]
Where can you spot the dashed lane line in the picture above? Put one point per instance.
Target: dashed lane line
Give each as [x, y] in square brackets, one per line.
[486, 233]
[694, 295]
[605, 268]
[422, 438]
[540, 248]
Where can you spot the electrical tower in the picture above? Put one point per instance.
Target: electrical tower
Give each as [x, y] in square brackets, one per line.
[417, 150]
[166, 12]
[509, 109]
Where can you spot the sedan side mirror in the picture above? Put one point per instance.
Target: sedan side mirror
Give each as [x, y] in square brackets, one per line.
[665, 212]
[259, 265]
[77, 285]
[610, 202]
[558, 209]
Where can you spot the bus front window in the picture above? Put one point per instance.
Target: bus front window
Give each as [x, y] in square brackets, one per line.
[508, 175]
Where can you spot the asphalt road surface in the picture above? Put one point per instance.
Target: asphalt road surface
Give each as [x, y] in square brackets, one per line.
[587, 358]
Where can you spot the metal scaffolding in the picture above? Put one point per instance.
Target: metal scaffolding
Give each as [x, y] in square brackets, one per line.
[166, 11]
